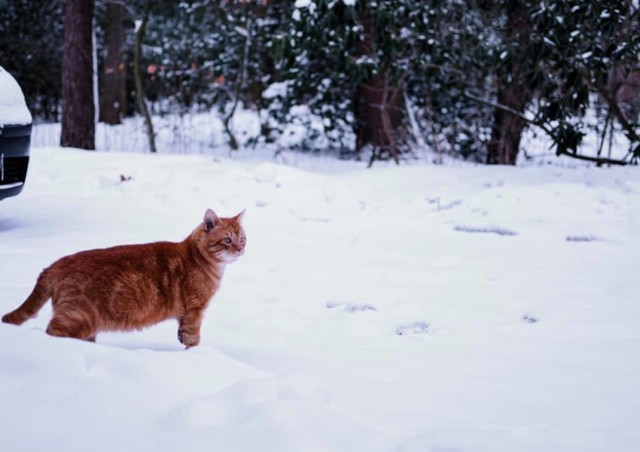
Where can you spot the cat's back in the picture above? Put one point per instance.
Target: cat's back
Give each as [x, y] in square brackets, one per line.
[138, 257]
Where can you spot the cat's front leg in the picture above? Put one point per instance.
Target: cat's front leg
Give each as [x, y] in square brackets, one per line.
[189, 339]
[189, 329]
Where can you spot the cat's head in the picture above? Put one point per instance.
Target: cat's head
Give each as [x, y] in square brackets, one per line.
[221, 239]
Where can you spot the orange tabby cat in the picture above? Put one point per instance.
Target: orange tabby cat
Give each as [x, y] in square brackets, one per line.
[133, 286]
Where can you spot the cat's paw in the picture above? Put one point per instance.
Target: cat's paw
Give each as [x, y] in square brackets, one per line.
[188, 339]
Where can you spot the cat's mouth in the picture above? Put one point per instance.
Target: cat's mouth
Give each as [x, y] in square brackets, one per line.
[228, 258]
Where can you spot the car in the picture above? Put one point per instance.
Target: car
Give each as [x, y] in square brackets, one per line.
[15, 136]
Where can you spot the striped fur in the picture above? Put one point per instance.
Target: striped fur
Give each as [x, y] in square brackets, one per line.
[130, 287]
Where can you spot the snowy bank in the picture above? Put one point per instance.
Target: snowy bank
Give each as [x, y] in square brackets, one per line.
[373, 310]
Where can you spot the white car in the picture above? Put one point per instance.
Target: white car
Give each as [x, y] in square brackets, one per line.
[15, 136]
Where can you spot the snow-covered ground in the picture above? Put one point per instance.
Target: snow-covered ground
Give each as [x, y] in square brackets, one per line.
[412, 308]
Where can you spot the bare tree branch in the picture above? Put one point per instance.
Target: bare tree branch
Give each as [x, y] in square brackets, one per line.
[138, 77]
[493, 104]
[598, 160]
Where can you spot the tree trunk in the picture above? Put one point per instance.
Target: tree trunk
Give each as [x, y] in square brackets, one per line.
[513, 92]
[78, 109]
[136, 71]
[507, 128]
[240, 82]
[379, 108]
[113, 91]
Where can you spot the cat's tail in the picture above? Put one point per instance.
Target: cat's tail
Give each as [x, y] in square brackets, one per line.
[27, 310]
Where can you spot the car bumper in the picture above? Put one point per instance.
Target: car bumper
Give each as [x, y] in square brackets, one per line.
[15, 142]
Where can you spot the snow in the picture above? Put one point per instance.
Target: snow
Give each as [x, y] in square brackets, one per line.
[278, 89]
[302, 3]
[409, 308]
[13, 108]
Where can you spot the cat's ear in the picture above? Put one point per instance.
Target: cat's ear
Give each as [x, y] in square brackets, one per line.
[210, 220]
[238, 217]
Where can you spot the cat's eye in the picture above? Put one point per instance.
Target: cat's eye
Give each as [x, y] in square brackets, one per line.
[242, 240]
[227, 240]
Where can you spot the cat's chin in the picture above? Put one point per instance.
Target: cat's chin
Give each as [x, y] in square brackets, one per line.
[227, 259]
